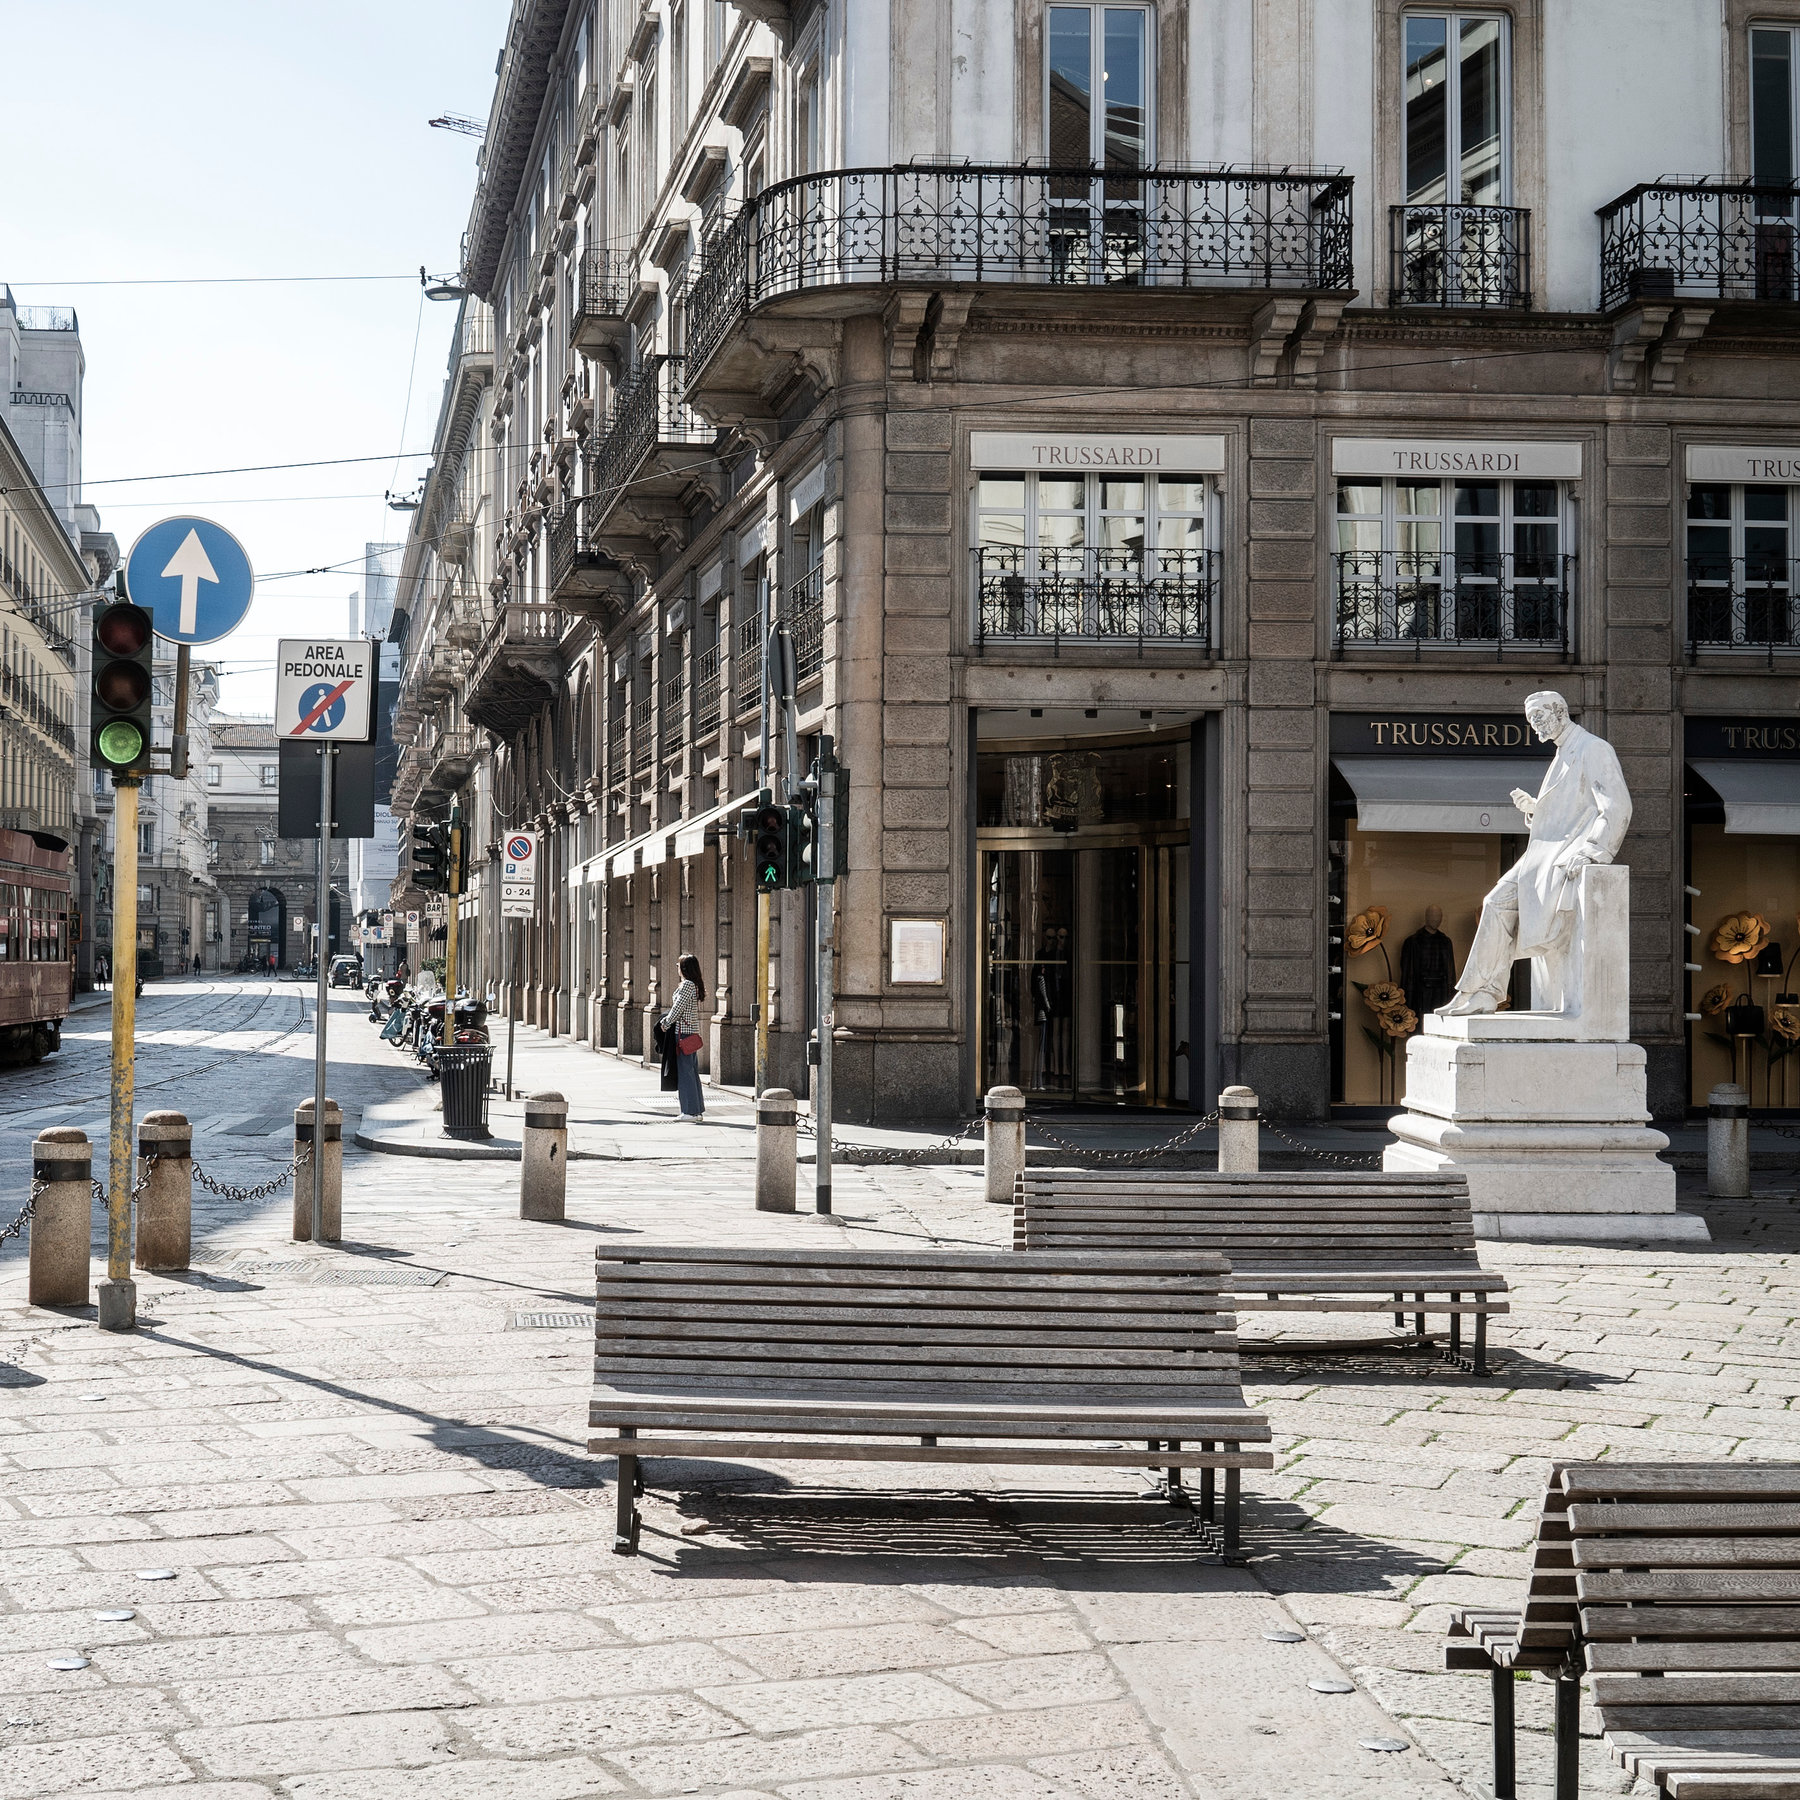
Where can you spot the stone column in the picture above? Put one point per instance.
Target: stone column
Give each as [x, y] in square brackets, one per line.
[776, 1115]
[1728, 1142]
[331, 1209]
[165, 1211]
[1004, 1148]
[1239, 1147]
[62, 1223]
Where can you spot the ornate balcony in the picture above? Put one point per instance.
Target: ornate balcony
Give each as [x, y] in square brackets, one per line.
[448, 760]
[674, 715]
[747, 667]
[643, 735]
[706, 693]
[1170, 229]
[804, 615]
[600, 284]
[654, 444]
[1460, 256]
[1118, 598]
[584, 580]
[518, 669]
[1415, 601]
[1743, 603]
[1712, 240]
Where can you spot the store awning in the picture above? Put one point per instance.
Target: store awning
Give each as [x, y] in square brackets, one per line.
[621, 859]
[1762, 798]
[1440, 793]
[691, 835]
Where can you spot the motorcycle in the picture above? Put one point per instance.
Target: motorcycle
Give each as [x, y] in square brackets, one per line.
[428, 1027]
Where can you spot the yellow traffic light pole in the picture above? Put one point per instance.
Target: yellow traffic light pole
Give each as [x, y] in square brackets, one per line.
[453, 892]
[118, 1292]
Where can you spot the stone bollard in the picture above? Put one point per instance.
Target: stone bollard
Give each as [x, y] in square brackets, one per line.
[1238, 1114]
[1728, 1142]
[63, 1222]
[1003, 1155]
[775, 1166]
[331, 1219]
[544, 1158]
[165, 1211]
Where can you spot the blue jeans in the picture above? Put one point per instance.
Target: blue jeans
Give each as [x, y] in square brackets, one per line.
[687, 1073]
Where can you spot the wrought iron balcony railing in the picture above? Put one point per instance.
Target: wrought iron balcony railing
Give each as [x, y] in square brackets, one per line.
[1120, 597]
[1413, 599]
[1176, 228]
[643, 734]
[706, 693]
[600, 283]
[1460, 256]
[650, 409]
[1744, 603]
[565, 544]
[674, 714]
[747, 667]
[804, 616]
[1701, 240]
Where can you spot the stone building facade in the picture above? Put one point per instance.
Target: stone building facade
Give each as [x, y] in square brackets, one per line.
[1175, 442]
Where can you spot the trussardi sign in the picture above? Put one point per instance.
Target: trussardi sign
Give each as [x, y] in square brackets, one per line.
[1072, 453]
[1716, 737]
[1428, 734]
[1743, 462]
[1547, 461]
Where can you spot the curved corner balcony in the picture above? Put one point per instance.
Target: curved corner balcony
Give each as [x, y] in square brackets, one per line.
[1175, 229]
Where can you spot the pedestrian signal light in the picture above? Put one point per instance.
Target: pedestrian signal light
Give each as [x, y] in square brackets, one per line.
[772, 869]
[122, 645]
[430, 863]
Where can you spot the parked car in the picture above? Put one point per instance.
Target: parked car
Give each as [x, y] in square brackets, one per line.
[345, 971]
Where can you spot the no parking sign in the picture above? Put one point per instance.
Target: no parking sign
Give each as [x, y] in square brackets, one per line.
[518, 875]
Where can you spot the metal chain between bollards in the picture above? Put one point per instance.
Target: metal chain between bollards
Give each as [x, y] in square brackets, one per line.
[24, 1218]
[139, 1188]
[881, 1153]
[1338, 1159]
[263, 1189]
[1167, 1148]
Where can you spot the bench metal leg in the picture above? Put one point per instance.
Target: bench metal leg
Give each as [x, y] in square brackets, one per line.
[1400, 1317]
[1208, 1487]
[1455, 1329]
[1228, 1536]
[631, 1484]
[1568, 1738]
[1419, 1319]
[1506, 1783]
[1177, 1493]
[1481, 1367]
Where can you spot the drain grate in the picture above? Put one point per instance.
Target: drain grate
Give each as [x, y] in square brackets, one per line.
[549, 1321]
[316, 1272]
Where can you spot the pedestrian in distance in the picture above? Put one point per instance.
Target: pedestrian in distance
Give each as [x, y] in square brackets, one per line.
[681, 1026]
[271, 965]
[196, 964]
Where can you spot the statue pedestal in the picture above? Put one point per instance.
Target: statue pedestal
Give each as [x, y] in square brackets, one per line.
[1552, 1134]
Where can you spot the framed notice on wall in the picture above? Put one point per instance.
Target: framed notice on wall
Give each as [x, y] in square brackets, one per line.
[916, 952]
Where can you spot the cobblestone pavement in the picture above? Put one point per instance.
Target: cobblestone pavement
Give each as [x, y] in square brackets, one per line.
[389, 1568]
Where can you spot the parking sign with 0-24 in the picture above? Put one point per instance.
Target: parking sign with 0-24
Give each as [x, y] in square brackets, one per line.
[518, 871]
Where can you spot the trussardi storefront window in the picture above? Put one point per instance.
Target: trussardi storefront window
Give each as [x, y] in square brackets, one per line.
[1742, 801]
[1422, 825]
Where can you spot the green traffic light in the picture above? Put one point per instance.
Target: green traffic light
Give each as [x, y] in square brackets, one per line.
[121, 743]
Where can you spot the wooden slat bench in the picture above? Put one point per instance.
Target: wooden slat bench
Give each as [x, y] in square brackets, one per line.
[1381, 1242]
[1688, 1580]
[1676, 1586]
[923, 1356]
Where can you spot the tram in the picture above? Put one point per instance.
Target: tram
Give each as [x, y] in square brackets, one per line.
[36, 955]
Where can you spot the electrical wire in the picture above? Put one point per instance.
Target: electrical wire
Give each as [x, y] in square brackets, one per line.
[320, 462]
[203, 280]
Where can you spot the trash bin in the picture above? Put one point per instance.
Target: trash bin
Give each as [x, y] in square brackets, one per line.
[463, 1072]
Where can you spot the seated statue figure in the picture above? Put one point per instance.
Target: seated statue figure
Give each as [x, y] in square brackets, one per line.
[1578, 816]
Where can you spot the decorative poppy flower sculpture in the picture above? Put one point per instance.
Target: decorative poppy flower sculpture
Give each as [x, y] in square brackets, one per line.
[1784, 1021]
[1383, 996]
[1740, 937]
[1369, 927]
[1400, 1021]
[1715, 1000]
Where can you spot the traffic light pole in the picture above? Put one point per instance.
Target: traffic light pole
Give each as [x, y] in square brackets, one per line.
[118, 1292]
[320, 961]
[453, 890]
[825, 865]
[766, 780]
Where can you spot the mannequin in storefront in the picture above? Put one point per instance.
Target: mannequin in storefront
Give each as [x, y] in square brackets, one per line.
[1428, 964]
[1578, 816]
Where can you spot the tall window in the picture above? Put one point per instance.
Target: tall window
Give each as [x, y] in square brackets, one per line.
[1774, 67]
[270, 774]
[1098, 109]
[809, 121]
[1474, 560]
[678, 72]
[1456, 149]
[1740, 566]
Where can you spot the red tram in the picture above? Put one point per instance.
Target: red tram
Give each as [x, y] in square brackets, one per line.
[36, 956]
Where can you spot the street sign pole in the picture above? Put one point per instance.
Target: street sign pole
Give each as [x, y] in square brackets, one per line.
[825, 867]
[512, 952]
[118, 1292]
[320, 960]
[178, 736]
[765, 771]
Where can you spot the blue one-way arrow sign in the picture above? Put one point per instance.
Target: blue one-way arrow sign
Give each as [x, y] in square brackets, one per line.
[193, 576]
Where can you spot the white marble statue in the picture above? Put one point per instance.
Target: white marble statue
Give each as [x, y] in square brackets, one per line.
[1578, 816]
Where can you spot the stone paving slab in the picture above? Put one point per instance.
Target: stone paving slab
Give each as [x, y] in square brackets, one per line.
[391, 1553]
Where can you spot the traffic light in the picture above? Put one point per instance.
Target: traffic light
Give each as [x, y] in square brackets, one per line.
[773, 868]
[457, 861]
[119, 737]
[430, 867]
[803, 818]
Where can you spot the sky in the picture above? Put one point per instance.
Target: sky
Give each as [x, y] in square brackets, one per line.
[201, 139]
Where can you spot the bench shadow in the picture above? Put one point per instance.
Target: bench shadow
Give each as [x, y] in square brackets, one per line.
[1277, 1363]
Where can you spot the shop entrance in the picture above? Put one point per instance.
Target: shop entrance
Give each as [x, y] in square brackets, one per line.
[1085, 967]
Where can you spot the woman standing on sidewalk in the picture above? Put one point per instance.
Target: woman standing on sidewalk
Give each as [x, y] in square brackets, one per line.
[683, 1020]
